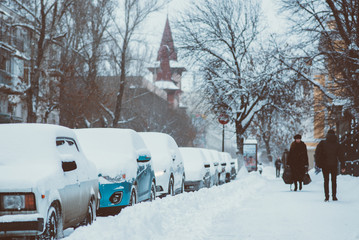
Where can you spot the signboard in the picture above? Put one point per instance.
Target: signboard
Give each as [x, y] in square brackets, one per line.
[223, 119]
[250, 156]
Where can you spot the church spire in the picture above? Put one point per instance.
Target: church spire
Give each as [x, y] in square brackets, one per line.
[167, 41]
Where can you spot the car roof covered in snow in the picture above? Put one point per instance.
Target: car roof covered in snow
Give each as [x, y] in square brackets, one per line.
[30, 143]
[113, 150]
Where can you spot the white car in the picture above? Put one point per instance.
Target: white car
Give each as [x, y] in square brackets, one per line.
[46, 183]
[221, 166]
[167, 163]
[228, 159]
[213, 165]
[197, 169]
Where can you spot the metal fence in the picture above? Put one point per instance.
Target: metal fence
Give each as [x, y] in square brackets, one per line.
[350, 142]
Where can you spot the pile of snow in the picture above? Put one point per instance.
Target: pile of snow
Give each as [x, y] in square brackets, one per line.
[253, 207]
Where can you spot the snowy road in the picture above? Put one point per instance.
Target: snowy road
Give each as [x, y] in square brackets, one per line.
[251, 207]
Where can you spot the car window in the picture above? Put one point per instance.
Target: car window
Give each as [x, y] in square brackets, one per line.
[67, 146]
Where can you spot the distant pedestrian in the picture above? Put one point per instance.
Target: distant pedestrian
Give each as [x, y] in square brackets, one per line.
[298, 161]
[327, 155]
[278, 164]
[260, 168]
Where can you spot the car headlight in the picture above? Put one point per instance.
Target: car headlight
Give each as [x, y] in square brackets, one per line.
[17, 201]
[160, 173]
[118, 178]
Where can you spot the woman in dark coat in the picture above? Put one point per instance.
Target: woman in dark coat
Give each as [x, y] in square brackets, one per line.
[298, 161]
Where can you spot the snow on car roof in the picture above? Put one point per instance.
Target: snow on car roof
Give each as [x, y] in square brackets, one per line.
[160, 145]
[30, 143]
[193, 158]
[28, 154]
[113, 150]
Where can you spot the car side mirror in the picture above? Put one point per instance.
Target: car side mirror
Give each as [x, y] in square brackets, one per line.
[69, 166]
[207, 165]
[143, 158]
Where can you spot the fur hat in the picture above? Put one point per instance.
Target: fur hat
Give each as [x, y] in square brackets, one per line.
[298, 136]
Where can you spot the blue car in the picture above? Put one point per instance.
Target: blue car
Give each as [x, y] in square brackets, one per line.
[124, 166]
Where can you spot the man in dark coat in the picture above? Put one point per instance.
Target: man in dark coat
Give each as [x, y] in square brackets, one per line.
[298, 161]
[278, 164]
[327, 155]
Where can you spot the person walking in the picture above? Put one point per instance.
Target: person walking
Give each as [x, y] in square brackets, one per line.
[298, 161]
[327, 155]
[278, 164]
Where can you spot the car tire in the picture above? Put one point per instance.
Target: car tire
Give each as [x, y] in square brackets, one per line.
[91, 213]
[171, 187]
[133, 198]
[182, 185]
[153, 192]
[53, 227]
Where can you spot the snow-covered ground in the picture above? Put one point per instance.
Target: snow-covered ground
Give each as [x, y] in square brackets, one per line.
[252, 207]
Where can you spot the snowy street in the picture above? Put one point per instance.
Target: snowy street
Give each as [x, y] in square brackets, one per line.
[251, 207]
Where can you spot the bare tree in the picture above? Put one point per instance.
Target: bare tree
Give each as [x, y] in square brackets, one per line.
[132, 13]
[83, 52]
[44, 17]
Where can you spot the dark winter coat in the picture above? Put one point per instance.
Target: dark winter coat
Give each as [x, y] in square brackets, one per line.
[298, 159]
[329, 152]
[278, 163]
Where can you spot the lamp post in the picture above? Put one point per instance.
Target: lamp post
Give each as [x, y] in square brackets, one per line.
[223, 119]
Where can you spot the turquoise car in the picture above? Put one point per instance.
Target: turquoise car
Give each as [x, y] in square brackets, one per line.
[124, 165]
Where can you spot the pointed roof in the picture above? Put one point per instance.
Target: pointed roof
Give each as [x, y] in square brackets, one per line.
[167, 41]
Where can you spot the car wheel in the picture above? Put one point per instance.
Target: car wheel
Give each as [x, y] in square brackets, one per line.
[153, 192]
[53, 223]
[133, 197]
[170, 187]
[91, 213]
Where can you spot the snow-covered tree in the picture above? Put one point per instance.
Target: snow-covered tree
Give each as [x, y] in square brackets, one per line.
[329, 39]
[239, 73]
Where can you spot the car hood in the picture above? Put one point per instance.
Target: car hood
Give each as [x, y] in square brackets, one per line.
[27, 176]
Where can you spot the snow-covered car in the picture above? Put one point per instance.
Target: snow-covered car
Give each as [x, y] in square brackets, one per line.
[197, 169]
[234, 168]
[46, 183]
[213, 166]
[124, 166]
[221, 166]
[227, 159]
[167, 163]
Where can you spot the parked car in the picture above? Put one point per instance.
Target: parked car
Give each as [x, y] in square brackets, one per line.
[167, 163]
[197, 169]
[228, 167]
[46, 183]
[124, 166]
[234, 168]
[221, 166]
[213, 166]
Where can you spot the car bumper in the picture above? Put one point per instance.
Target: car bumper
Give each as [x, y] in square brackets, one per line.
[162, 183]
[190, 186]
[21, 225]
[107, 190]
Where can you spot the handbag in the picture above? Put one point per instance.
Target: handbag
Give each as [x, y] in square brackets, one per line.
[287, 176]
[306, 179]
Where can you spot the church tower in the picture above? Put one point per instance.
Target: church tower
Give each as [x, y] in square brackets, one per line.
[167, 72]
